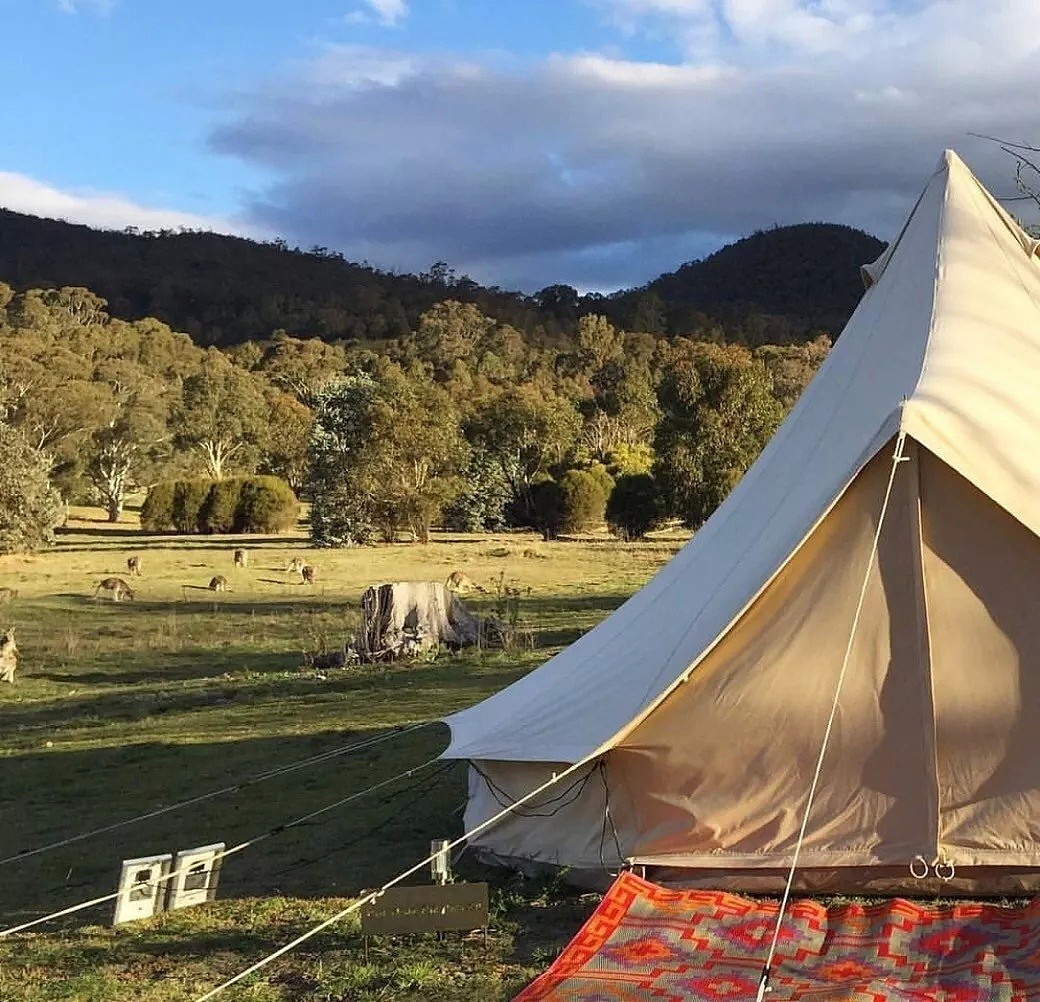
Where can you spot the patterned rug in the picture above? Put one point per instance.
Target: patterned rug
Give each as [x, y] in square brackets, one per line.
[646, 942]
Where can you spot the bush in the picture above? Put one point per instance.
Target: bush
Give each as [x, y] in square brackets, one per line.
[548, 508]
[266, 504]
[220, 510]
[603, 477]
[157, 510]
[188, 498]
[238, 504]
[481, 504]
[628, 460]
[635, 507]
[340, 518]
[30, 507]
[584, 500]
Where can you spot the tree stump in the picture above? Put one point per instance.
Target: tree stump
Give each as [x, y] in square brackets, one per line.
[408, 618]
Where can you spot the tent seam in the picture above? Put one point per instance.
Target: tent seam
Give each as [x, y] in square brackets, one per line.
[937, 272]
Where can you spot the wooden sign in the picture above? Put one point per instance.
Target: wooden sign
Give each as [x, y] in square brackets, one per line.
[434, 908]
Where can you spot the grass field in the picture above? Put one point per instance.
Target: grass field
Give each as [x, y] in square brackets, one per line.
[122, 708]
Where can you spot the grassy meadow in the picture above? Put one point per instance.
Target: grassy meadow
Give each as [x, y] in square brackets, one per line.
[121, 708]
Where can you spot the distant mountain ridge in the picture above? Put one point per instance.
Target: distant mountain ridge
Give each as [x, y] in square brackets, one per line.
[781, 285]
[809, 271]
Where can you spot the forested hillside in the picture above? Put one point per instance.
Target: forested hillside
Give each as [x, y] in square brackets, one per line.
[780, 286]
[777, 286]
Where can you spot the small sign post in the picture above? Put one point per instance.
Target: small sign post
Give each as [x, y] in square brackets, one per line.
[142, 888]
[196, 874]
[402, 910]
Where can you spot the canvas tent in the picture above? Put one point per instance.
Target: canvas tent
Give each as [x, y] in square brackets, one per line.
[698, 707]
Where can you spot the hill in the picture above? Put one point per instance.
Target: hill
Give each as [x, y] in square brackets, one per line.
[781, 285]
[775, 286]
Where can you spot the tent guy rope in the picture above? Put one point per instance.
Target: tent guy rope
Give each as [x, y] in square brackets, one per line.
[898, 458]
[276, 830]
[372, 895]
[228, 790]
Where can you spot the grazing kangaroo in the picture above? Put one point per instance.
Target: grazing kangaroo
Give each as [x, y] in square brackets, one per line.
[8, 656]
[308, 573]
[133, 566]
[296, 566]
[116, 587]
[241, 558]
[216, 583]
[7, 594]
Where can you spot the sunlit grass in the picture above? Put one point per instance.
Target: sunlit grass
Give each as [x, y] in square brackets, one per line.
[119, 708]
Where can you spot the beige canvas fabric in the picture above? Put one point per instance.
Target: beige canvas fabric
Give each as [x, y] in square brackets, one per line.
[707, 694]
[721, 769]
[983, 575]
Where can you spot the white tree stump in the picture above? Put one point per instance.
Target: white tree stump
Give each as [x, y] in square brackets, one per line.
[408, 618]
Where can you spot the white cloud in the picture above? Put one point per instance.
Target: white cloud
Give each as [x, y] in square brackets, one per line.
[25, 194]
[102, 7]
[388, 13]
[603, 171]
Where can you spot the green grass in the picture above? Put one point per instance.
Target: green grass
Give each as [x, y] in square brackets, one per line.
[120, 708]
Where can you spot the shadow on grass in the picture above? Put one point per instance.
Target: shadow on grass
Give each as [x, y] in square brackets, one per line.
[51, 795]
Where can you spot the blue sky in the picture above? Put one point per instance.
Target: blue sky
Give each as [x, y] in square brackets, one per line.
[596, 142]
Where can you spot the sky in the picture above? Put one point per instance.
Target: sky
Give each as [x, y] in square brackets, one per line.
[525, 142]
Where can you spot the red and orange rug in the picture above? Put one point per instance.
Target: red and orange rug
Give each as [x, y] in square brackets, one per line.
[647, 942]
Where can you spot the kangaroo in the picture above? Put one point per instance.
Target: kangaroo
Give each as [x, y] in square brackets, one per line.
[296, 566]
[216, 583]
[309, 574]
[8, 656]
[241, 558]
[461, 584]
[7, 595]
[133, 566]
[116, 587]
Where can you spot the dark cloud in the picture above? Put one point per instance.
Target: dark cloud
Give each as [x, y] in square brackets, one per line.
[602, 173]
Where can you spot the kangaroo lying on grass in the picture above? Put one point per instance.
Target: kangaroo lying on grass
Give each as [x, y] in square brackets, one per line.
[116, 587]
[7, 595]
[8, 656]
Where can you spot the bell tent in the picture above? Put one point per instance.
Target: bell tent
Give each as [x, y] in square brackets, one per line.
[887, 539]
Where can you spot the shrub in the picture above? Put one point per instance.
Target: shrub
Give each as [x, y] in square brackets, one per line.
[157, 510]
[548, 508]
[481, 504]
[628, 460]
[188, 498]
[220, 510]
[266, 504]
[584, 500]
[30, 507]
[635, 507]
[339, 517]
[603, 478]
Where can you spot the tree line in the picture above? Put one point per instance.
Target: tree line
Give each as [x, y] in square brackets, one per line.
[778, 286]
[460, 421]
